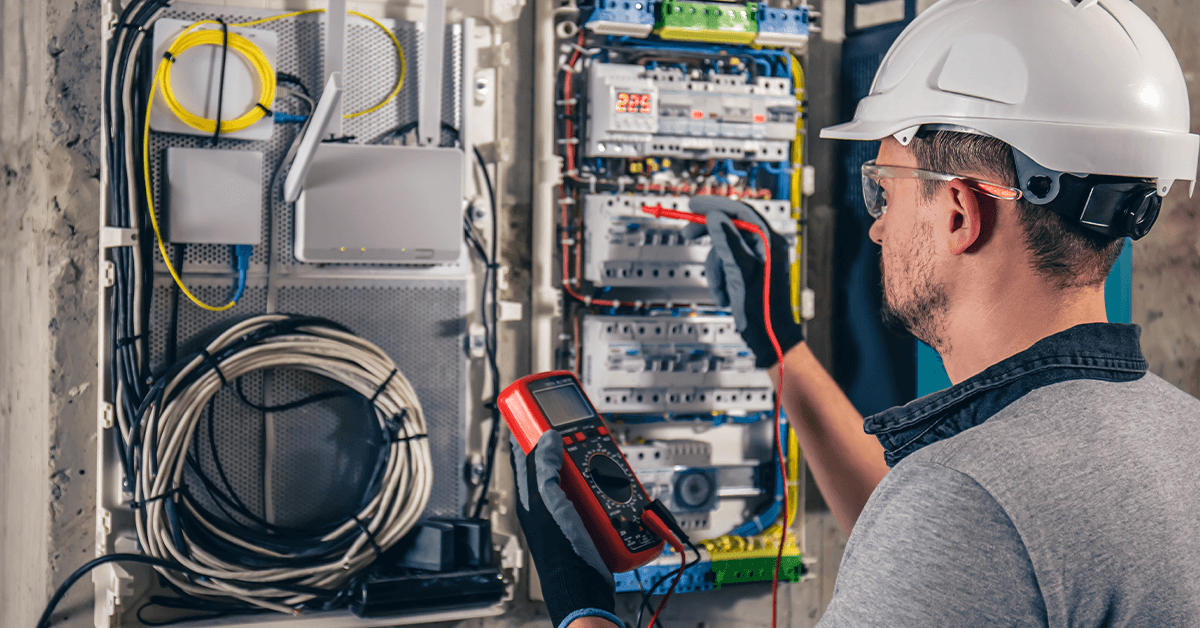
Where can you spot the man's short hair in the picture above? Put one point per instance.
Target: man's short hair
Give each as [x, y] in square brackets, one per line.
[1068, 254]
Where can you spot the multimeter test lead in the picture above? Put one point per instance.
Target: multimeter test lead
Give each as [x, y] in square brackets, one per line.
[658, 211]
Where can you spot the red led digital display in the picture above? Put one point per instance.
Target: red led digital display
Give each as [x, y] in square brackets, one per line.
[628, 102]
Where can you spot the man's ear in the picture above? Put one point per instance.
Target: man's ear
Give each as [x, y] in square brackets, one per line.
[964, 218]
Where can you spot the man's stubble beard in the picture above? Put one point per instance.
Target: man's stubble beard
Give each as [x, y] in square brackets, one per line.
[923, 313]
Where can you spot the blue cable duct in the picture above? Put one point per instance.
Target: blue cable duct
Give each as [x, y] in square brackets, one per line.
[766, 518]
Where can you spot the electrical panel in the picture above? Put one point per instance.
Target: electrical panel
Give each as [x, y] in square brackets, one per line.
[656, 103]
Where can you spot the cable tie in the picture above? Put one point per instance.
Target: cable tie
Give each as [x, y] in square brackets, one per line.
[387, 381]
[216, 366]
[395, 423]
[401, 439]
[128, 340]
[221, 85]
[169, 57]
[137, 505]
[370, 536]
[264, 108]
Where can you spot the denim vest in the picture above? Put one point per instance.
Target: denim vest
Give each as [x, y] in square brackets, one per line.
[1103, 351]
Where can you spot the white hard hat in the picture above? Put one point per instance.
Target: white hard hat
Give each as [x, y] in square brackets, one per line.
[1078, 86]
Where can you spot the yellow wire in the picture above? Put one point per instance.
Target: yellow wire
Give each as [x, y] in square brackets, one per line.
[183, 42]
[266, 75]
[793, 457]
[395, 42]
[797, 170]
[162, 247]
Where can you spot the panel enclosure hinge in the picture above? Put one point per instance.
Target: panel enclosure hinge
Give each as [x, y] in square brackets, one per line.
[108, 274]
[111, 237]
[510, 311]
[106, 415]
[104, 522]
[808, 304]
[476, 341]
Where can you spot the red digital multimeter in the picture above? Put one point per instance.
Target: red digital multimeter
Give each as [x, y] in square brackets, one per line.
[595, 475]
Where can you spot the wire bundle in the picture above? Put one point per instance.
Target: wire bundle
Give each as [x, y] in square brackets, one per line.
[265, 565]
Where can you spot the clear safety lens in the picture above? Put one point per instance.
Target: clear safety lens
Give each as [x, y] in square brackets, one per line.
[873, 194]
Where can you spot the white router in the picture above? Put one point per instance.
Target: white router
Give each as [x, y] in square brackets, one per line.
[377, 204]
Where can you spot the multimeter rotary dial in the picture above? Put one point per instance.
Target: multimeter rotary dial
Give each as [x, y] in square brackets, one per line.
[610, 478]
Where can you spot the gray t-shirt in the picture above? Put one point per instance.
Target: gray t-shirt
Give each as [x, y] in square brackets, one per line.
[1076, 505]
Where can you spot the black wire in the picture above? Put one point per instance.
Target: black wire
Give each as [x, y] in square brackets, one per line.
[409, 127]
[292, 405]
[291, 79]
[490, 341]
[645, 600]
[180, 250]
[44, 621]
[648, 592]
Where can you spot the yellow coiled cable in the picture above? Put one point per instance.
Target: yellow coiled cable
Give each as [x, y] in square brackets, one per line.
[191, 38]
[187, 40]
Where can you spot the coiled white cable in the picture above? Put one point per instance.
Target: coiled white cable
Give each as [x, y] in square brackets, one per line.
[165, 433]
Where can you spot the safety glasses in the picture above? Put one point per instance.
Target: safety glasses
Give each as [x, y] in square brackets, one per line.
[876, 199]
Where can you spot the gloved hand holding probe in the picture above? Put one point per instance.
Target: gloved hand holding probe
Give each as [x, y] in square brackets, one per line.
[735, 274]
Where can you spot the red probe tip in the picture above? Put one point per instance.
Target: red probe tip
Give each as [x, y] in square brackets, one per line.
[655, 210]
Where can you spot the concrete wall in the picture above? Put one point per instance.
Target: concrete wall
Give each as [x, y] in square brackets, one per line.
[1166, 263]
[49, 207]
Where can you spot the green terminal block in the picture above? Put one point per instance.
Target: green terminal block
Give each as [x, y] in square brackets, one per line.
[737, 570]
[724, 23]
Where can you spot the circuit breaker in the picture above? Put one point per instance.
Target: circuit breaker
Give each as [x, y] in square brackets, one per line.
[624, 246]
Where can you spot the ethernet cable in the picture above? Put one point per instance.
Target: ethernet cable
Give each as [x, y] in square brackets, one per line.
[252, 563]
[247, 566]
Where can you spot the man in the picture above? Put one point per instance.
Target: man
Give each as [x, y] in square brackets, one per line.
[1055, 482]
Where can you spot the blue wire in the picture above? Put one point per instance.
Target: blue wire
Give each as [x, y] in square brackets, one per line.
[765, 519]
[287, 117]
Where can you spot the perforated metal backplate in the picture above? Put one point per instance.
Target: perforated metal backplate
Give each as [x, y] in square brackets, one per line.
[372, 68]
[309, 465]
[419, 324]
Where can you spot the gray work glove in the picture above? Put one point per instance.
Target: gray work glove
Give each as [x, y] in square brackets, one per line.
[575, 581]
[735, 274]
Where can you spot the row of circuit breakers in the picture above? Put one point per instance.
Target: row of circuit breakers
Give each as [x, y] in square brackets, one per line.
[661, 365]
[667, 112]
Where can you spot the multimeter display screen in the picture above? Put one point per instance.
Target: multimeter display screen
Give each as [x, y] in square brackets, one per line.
[563, 403]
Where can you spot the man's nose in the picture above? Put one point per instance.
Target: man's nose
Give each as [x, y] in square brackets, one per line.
[876, 232]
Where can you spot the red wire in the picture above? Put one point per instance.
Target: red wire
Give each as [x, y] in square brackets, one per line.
[657, 526]
[660, 212]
